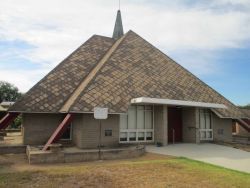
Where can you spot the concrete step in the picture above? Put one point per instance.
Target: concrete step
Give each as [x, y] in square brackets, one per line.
[12, 149]
[241, 139]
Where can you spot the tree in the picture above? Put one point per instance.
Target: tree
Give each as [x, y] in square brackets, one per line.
[8, 92]
[246, 106]
[16, 124]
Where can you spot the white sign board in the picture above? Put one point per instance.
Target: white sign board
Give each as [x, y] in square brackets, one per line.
[100, 113]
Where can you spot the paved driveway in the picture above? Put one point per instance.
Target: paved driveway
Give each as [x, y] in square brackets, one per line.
[210, 153]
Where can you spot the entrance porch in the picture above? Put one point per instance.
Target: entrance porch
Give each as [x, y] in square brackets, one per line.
[176, 125]
[182, 121]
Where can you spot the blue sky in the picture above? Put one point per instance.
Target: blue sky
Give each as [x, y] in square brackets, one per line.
[209, 38]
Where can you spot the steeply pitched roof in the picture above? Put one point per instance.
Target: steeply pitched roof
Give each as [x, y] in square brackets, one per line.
[134, 69]
[246, 112]
[50, 94]
[138, 69]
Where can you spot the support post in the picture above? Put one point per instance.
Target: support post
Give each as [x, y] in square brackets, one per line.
[59, 131]
[7, 119]
[165, 125]
[197, 125]
[173, 136]
[100, 139]
[245, 123]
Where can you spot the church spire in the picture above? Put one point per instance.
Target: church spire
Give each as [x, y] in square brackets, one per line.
[118, 30]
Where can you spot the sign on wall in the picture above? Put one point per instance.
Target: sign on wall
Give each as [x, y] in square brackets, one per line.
[100, 113]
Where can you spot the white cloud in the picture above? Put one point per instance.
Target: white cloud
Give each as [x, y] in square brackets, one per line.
[202, 64]
[56, 27]
[23, 79]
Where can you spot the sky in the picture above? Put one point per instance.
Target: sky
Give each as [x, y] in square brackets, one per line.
[210, 38]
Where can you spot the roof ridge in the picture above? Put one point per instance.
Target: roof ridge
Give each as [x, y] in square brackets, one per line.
[103, 36]
[91, 75]
[51, 71]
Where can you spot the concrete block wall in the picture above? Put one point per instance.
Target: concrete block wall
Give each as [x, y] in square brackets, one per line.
[161, 124]
[36, 157]
[37, 128]
[197, 123]
[189, 125]
[77, 129]
[222, 128]
[87, 131]
[12, 149]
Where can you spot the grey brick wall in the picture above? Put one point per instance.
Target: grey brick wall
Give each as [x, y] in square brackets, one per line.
[86, 131]
[222, 128]
[37, 128]
[161, 124]
[77, 129]
[189, 125]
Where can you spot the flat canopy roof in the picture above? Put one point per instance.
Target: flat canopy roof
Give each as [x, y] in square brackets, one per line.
[147, 100]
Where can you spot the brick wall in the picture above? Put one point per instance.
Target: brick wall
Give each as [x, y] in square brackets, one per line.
[77, 129]
[189, 125]
[37, 128]
[86, 131]
[222, 128]
[160, 124]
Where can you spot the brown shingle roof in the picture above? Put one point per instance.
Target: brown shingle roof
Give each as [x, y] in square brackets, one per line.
[134, 69]
[138, 69]
[53, 90]
[246, 112]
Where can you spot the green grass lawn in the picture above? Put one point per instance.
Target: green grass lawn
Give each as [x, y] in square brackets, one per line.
[148, 171]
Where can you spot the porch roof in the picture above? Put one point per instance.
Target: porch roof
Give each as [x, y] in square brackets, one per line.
[147, 100]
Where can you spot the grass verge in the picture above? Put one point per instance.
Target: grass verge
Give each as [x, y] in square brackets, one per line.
[148, 171]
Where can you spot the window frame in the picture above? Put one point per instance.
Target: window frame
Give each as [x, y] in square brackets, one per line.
[108, 130]
[137, 131]
[205, 130]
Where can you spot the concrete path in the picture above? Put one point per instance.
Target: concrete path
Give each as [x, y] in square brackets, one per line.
[210, 153]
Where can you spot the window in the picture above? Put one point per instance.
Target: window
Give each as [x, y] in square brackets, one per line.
[149, 136]
[132, 136]
[137, 124]
[67, 135]
[123, 136]
[206, 131]
[140, 117]
[108, 132]
[220, 131]
[141, 136]
[132, 118]
[123, 121]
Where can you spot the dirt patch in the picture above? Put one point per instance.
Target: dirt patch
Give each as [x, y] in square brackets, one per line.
[148, 171]
[12, 139]
[19, 162]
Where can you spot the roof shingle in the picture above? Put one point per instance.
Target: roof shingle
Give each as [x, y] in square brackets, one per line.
[134, 69]
[138, 69]
[54, 89]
